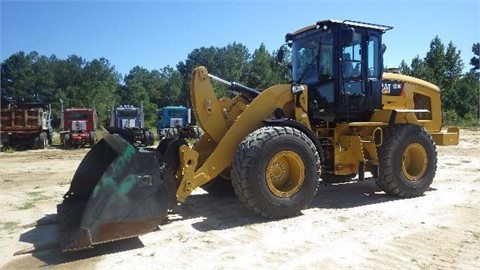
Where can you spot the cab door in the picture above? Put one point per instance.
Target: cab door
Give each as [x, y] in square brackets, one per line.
[360, 71]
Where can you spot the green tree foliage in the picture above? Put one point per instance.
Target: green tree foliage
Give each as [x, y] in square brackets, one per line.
[99, 87]
[81, 83]
[234, 63]
[264, 70]
[435, 63]
[475, 60]
[474, 76]
[18, 78]
[78, 83]
[230, 63]
[443, 67]
[171, 88]
[96, 83]
[405, 68]
[143, 88]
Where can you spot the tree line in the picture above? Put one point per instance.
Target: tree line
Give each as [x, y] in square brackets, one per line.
[443, 66]
[28, 77]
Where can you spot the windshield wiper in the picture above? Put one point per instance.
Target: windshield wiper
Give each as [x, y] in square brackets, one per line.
[304, 73]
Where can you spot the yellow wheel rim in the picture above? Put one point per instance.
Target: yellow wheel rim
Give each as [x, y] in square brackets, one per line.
[285, 174]
[414, 162]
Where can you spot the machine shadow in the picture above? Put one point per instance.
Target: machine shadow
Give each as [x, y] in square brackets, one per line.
[352, 194]
[44, 240]
[349, 195]
[217, 213]
[207, 213]
[220, 213]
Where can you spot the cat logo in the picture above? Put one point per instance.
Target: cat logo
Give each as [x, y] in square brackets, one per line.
[392, 88]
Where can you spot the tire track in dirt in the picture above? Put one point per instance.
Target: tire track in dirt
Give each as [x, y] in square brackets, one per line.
[437, 247]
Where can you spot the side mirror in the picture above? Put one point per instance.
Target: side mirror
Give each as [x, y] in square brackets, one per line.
[346, 36]
[280, 54]
[384, 48]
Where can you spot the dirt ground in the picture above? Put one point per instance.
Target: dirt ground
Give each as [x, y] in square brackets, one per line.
[351, 225]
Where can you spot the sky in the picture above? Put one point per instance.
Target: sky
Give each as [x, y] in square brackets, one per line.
[156, 34]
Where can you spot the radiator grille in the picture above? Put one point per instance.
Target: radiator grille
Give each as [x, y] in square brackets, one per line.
[422, 102]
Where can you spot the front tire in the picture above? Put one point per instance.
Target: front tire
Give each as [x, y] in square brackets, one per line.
[148, 138]
[276, 171]
[408, 161]
[92, 138]
[66, 141]
[42, 140]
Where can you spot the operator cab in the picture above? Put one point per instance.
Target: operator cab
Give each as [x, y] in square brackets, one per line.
[342, 64]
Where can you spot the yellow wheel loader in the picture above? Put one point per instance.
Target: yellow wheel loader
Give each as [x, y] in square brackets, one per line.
[342, 117]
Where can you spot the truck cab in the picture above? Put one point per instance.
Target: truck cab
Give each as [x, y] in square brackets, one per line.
[174, 121]
[342, 64]
[128, 121]
[127, 117]
[79, 119]
[78, 127]
[173, 116]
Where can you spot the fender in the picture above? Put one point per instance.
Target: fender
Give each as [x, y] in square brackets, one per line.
[285, 122]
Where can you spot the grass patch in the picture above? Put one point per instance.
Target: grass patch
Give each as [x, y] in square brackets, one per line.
[451, 164]
[56, 138]
[476, 235]
[9, 150]
[35, 197]
[25, 206]
[10, 225]
[442, 227]
[64, 182]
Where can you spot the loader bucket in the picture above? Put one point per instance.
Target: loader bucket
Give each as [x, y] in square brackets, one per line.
[117, 192]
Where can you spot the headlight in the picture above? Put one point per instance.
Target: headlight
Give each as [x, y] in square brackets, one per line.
[297, 89]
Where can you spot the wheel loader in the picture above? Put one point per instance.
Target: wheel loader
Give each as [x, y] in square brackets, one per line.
[343, 117]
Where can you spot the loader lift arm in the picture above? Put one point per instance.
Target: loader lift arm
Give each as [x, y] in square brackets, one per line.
[226, 123]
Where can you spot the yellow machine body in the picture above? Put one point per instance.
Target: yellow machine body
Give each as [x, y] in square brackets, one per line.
[226, 122]
[272, 148]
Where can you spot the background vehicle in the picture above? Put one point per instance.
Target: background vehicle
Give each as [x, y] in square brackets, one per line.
[342, 117]
[175, 120]
[27, 125]
[78, 127]
[128, 121]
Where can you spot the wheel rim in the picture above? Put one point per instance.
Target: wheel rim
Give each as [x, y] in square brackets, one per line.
[285, 174]
[414, 162]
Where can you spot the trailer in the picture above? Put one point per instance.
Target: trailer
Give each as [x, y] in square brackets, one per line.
[26, 126]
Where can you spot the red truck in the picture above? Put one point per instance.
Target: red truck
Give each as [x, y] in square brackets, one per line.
[78, 126]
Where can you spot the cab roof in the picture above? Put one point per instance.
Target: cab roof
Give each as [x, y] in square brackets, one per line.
[377, 27]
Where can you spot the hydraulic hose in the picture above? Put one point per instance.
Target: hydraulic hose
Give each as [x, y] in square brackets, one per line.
[236, 87]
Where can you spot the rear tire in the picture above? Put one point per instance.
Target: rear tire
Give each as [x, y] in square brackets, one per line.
[66, 141]
[151, 138]
[35, 142]
[50, 138]
[92, 138]
[42, 140]
[408, 161]
[276, 171]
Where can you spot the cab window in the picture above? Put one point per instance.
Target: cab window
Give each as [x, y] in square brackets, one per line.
[352, 58]
[373, 57]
